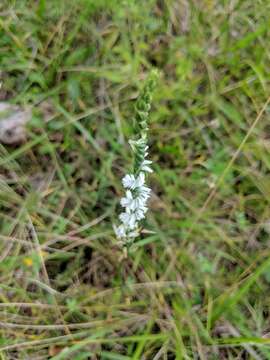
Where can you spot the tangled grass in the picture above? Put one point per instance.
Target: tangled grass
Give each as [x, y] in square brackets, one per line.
[197, 288]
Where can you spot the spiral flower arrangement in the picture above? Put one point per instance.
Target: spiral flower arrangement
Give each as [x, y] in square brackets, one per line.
[134, 203]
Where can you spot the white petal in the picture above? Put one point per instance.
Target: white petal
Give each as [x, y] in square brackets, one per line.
[146, 168]
[129, 195]
[141, 201]
[128, 219]
[120, 231]
[137, 203]
[144, 190]
[143, 198]
[140, 179]
[124, 202]
[133, 205]
[124, 217]
[128, 181]
[132, 221]
[127, 201]
[140, 213]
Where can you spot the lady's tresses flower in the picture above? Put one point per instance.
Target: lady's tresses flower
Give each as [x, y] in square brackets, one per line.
[141, 194]
[134, 203]
[129, 220]
[145, 166]
[130, 182]
[144, 192]
[128, 200]
[140, 213]
[120, 231]
[135, 200]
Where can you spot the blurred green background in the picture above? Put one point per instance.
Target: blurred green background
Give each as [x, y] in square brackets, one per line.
[198, 288]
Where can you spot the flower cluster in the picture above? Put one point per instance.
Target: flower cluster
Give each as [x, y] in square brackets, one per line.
[134, 204]
[137, 193]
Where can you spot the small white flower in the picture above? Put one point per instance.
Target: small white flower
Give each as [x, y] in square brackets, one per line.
[128, 219]
[140, 213]
[129, 181]
[146, 153]
[120, 231]
[130, 203]
[136, 204]
[127, 201]
[142, 199]
[140, 180]
[144, 192]
[145, 166]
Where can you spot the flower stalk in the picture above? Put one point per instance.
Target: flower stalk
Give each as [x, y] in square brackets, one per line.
[134, 202]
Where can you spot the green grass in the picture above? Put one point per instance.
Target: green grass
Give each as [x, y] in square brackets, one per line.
[199, 287]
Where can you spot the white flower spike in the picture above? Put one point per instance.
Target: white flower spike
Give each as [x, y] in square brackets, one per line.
[135, 200]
